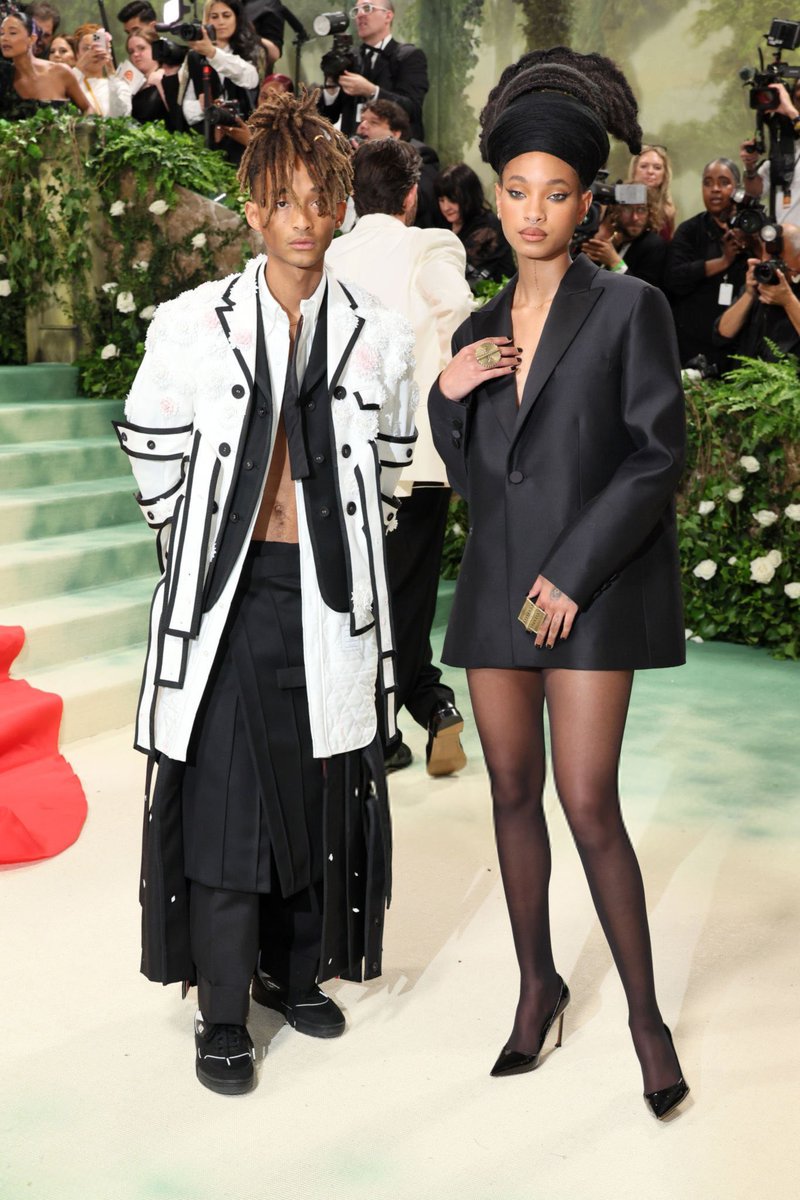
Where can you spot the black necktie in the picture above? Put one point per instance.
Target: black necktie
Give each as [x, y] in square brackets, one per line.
[292, 416]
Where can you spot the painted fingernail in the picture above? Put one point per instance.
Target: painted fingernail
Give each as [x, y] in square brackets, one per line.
[520, 349]
[514, 368]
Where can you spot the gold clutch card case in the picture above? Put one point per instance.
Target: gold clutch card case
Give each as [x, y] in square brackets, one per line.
[531, 616]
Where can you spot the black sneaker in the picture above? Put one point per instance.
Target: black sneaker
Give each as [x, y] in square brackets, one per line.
[225, 1057]
[313, 1013]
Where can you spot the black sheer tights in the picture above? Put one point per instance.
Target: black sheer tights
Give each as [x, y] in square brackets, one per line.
[586, 712]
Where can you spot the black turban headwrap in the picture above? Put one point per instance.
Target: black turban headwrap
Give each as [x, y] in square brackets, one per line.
[552, 123]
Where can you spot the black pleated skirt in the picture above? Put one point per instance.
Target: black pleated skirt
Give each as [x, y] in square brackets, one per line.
[252, 792]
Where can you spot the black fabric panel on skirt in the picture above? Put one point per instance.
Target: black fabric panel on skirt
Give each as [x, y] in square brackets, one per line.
[163, 890]
[252, 793]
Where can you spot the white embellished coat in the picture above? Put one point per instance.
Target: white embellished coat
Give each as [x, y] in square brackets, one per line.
[185, 419]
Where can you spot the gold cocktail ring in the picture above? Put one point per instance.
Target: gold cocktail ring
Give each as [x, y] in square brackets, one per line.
[487, 355]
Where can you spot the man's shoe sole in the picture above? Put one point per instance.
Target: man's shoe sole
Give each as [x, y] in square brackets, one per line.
[447, 754]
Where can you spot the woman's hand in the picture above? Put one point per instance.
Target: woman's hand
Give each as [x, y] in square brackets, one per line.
[205, 46]
[561, 612]
[464, 373]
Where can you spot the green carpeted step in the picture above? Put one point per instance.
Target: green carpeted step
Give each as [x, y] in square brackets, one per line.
[42, 512]
[43, 422]
[38, 381]
[31, 463]
[45, 567]
[99, 692]
[90, 622]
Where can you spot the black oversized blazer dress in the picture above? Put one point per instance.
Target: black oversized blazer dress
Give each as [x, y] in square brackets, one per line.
[576, 484]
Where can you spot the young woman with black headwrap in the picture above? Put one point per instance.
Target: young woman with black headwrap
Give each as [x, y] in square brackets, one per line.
[560, 419]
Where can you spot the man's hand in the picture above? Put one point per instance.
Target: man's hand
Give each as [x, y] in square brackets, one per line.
[779, 293]
[749, 157]
[601, 250]
[205, 46]
[786, 106]
[353, 84]
[732, 245]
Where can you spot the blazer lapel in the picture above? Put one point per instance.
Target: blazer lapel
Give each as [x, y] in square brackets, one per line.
[574, 300]
[236, 315]
[344, 327]
[494, 320]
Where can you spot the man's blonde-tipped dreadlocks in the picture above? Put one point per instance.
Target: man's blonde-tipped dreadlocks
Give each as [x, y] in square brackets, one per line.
[285, 128]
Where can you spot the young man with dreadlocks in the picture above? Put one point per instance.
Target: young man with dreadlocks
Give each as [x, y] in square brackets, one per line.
[267, 427]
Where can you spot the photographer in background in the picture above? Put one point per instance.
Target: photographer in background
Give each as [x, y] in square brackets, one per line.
[768, 310]
[266, 17]
[706, 264]
[48, 19]
[757, 179]
[138, 17]
[630, 245]
[236, 59]
[390, 70]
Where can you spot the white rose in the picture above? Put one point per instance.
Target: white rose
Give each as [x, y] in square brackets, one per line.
[109, 351]
[126, 302]
[147, 313]
[142, 265]
[705, 507]
[3, 258]
[159, 207]
[199, 240]
[732, 560]
[117, 208]
[792, 590]
[735, 494]
[793, 512]
[765, 517]
[774, 557]
[761, 570]
[110, 288]
[688, 633]
[457, 530]
[696, 638]
[706, 569]
[750, 464]
[5, 287]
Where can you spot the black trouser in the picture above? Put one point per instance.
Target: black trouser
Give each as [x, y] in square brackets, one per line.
[414, 559]
[229, 929]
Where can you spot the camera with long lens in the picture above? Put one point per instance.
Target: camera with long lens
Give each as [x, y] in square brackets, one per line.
[763, 79]
[606, 195]
[341, 57]
[167, 53]
[188, 31]
[224, 112]
[767, 271]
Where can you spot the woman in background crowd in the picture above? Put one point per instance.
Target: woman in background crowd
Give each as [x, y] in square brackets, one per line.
[63, 50]
[34, 83]
[236, 59]
[157, 98]
[652, 166]
[706, 266]
[108, 95]
[463, 205]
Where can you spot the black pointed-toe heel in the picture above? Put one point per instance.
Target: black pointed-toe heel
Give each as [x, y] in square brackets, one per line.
[666, 1100]
[514, 1062]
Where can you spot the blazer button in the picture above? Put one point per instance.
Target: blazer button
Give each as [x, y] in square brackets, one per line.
[345, 451]
[325, 512]
[237, 391]
[409, 453]
[249, 464]
[234, 517]
[351, 508]
[224, 449]
[262, 412]
[312, 404]
[516, 477]
[150, 517]
[456, 440]
[339, 392]
[319, 459]
[458, 423]
[123, 437]
[151, 445]
[214, 507]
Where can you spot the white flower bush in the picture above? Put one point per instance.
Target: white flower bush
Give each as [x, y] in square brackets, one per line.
[117, 208]
[705, 507]
[142, 265]
[732, 561]
[765, 517]
[5, 287]
[109, 351]
[762, 570]
[147, 313]
[792, 511]
[158, 208]
[706, 569]
[199, 240]
[110, 288]
[735, 495]
[775, 557]
[792, 590]
[749, 464]
[126, 302]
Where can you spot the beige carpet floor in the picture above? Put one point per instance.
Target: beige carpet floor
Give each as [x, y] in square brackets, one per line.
[98, 1097]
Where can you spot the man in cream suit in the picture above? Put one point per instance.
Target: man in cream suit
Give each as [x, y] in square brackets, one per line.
[421, 274]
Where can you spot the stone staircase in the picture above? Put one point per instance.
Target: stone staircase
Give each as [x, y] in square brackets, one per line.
[77, 562]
